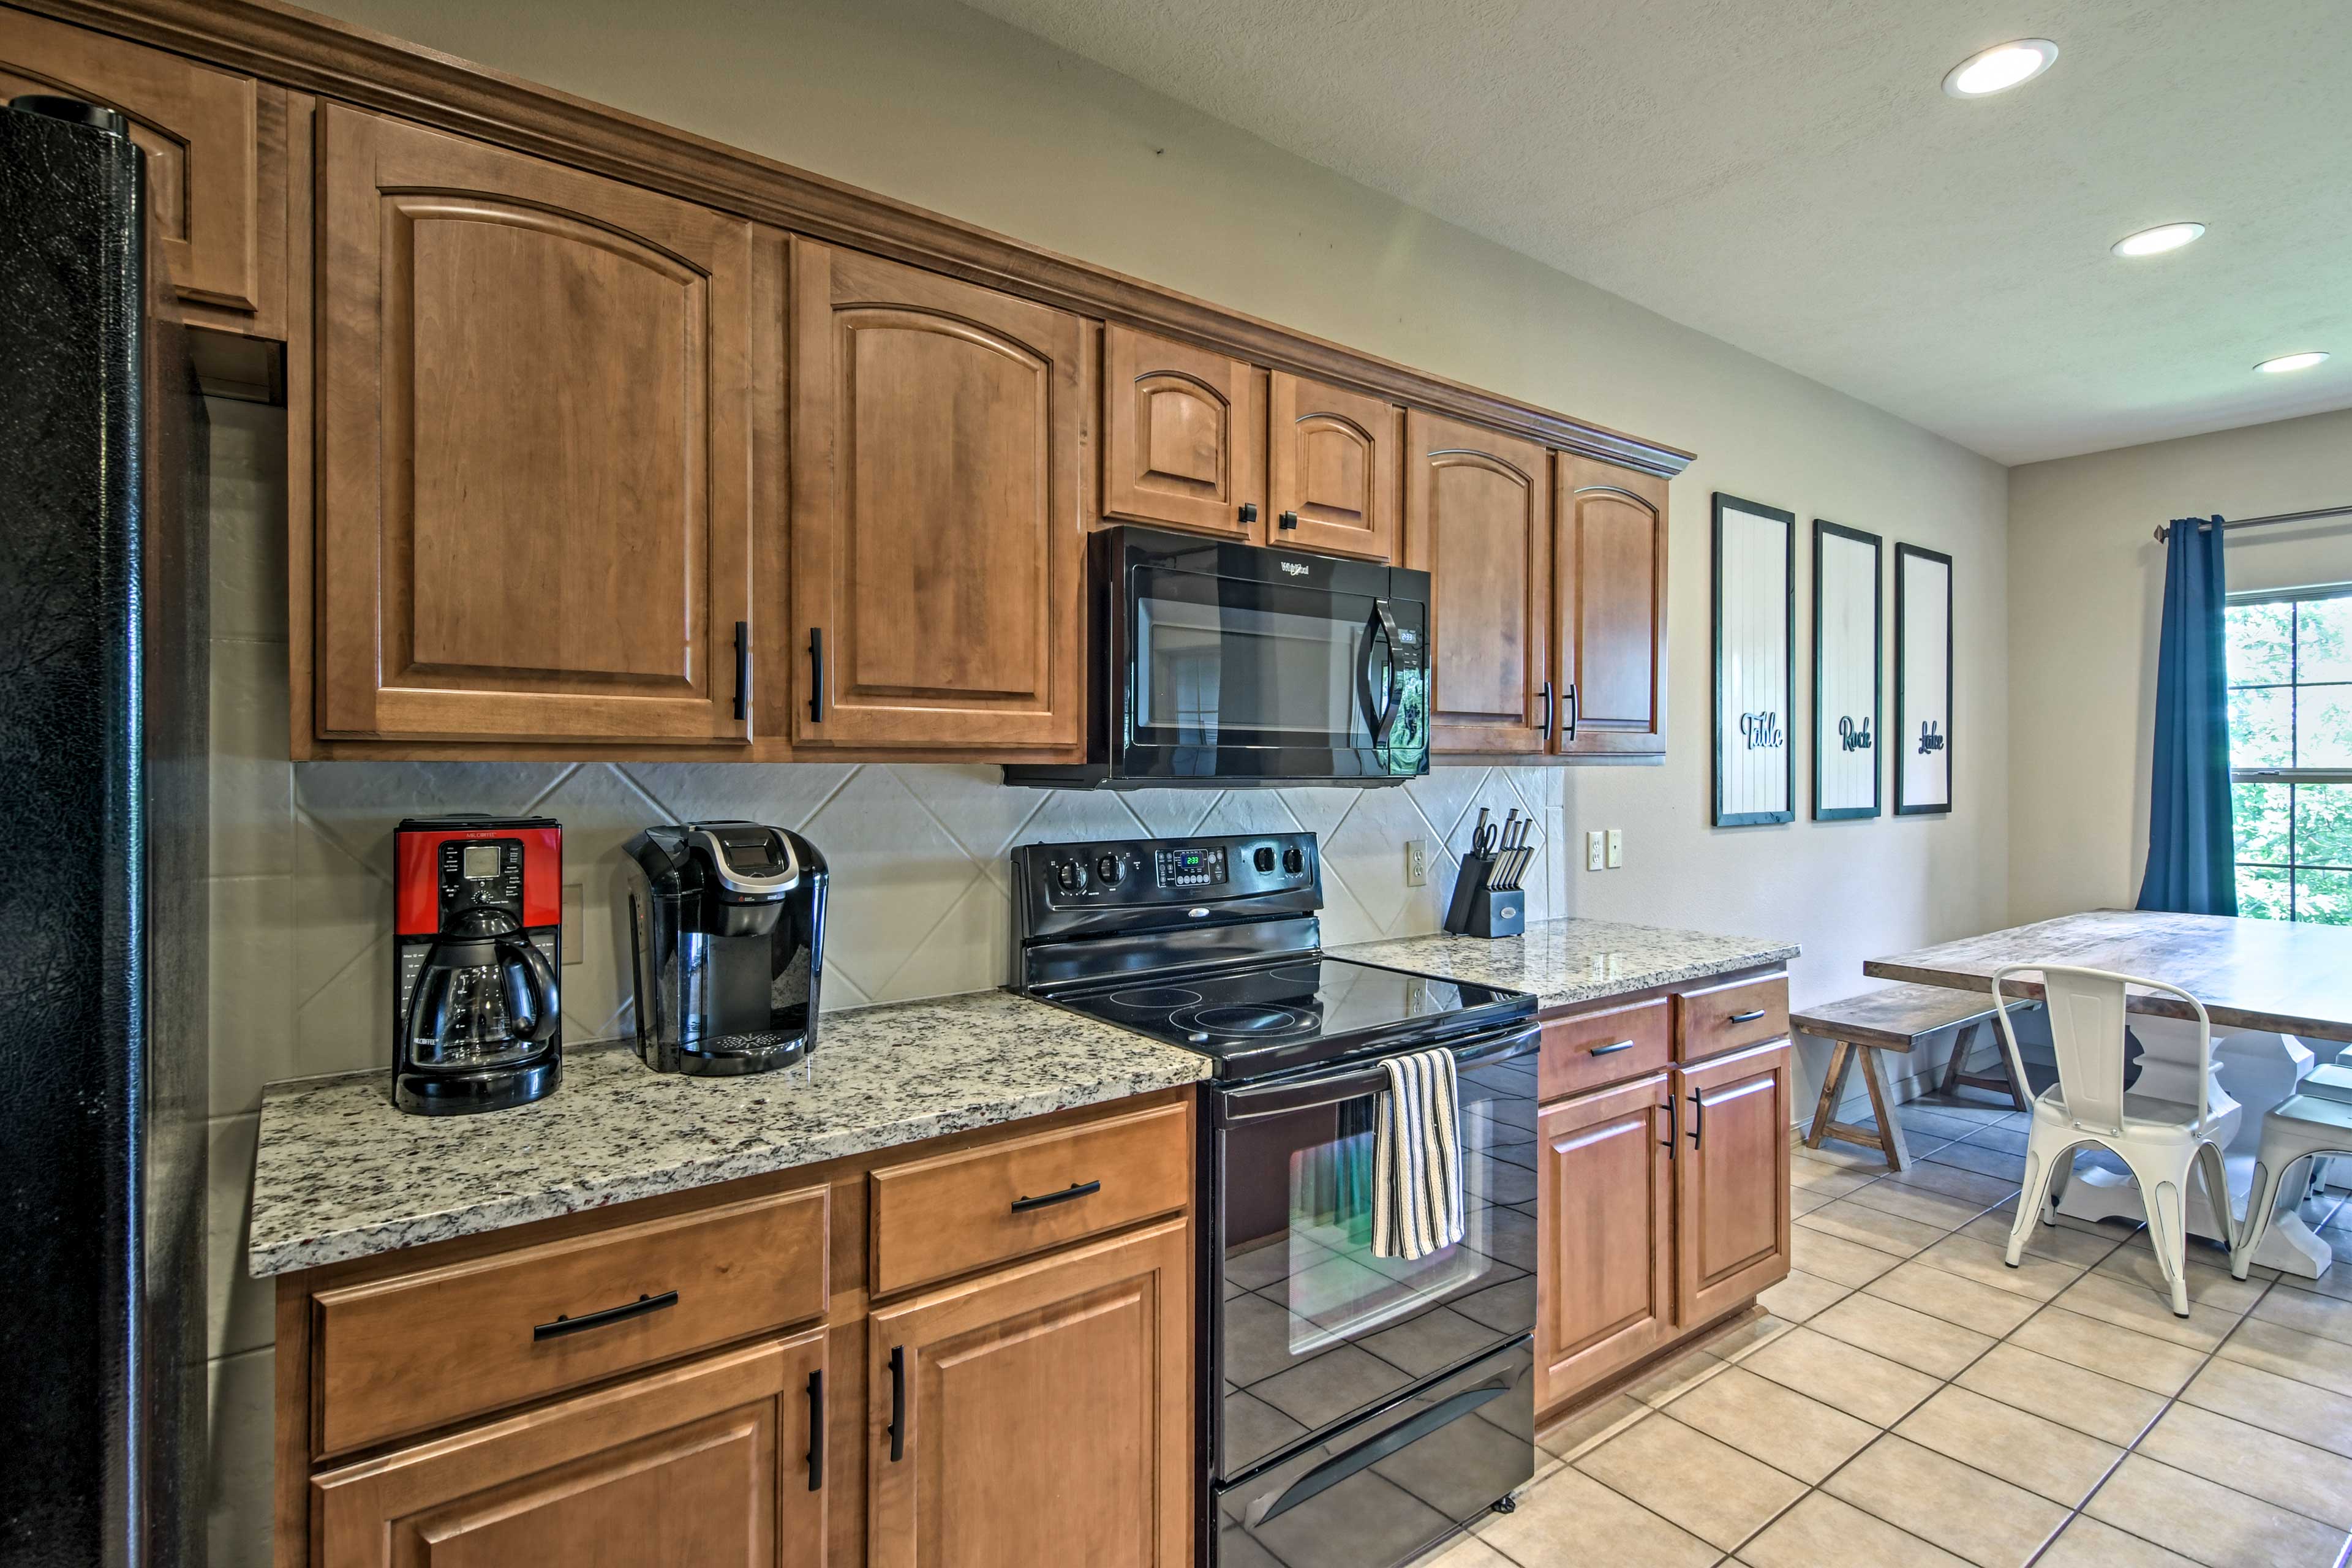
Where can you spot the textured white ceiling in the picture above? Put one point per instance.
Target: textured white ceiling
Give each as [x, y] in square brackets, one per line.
[1792, 178]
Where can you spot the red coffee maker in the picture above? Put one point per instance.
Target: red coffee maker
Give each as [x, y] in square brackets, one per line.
[476, 1016]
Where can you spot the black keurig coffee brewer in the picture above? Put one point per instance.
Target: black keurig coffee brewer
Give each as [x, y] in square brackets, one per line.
[725, 946]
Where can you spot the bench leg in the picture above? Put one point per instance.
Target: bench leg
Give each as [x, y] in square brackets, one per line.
[1882, 1105]
[2018, 1092]
[1833, 1090]
[1956, 1076]
[1956, 1063]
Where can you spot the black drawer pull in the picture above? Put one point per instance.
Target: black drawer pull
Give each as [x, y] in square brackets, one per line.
[1745, 1017]
[1698, 1117]
[742, 670]
[816, 1430]
[1613, 1050]
[816, 675]
[1075, 1189]
[566, 1324]
[897, 1402]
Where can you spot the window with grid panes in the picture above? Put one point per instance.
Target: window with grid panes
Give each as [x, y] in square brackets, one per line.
[2291, 753]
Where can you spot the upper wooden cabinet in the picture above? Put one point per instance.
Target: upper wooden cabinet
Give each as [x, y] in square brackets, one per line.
[1041, 1415]
[534, 498]
[1609, 610]
[215, 146]
[1731, 1181]
[938, 436]
[1333, 463]
[1477, 518]
[1184, 436]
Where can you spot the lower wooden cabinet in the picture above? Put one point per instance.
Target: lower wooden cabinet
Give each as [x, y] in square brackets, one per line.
[710, 1464]
[1731, 1179]
[1605, 1267]
[1041, 1413]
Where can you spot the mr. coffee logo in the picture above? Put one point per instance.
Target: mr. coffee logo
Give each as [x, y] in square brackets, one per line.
[1931, 740]
[1854, 737]
[1762, 730]
[1295, 568]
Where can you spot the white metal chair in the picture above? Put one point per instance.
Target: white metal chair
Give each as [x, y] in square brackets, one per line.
[2161, 1140]
[2315, 1123]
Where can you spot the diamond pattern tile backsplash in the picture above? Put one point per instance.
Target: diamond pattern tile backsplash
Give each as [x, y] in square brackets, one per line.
[920, 898]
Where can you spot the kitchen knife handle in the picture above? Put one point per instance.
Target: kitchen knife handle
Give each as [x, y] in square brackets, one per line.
[816, 675]
[742, 670]
[816, 1430]
[897, 1402]
[1545, 728]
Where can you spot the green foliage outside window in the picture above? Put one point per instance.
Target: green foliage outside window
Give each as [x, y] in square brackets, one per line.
[2291, 756]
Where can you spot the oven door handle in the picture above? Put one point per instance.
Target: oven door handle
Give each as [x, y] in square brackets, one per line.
[1372, 1450]
[1349, 1083]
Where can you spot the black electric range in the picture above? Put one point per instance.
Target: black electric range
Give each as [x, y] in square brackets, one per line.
[1342, 1396]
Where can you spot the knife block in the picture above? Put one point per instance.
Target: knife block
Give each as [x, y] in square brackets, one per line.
[1480, 910]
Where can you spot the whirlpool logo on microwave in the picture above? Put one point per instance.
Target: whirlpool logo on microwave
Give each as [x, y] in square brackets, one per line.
[1295, 568]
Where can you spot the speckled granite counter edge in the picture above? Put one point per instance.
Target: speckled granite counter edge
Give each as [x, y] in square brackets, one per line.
[1539, 960]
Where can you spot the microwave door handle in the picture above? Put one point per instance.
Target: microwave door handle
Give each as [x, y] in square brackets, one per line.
[1364, 676]
[1396, 675]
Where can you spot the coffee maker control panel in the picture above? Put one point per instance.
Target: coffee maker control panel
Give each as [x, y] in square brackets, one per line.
[481, 871]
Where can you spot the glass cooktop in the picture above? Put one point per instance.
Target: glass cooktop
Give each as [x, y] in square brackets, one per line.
[1297, 1010]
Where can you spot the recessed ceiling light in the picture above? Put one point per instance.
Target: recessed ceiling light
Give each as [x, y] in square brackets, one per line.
[2156, 241]
[2000, 68]
[2285, 362]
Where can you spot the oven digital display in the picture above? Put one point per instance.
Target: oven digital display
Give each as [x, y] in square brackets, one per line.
[1192, 867]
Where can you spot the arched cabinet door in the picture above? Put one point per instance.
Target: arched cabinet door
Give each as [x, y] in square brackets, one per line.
[1608, 612]
[1184, 436]
[1477, 518]
[938, 541]
[534, 403]
[1333, 469]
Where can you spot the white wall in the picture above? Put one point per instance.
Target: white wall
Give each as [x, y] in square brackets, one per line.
[2086, 600]
[925, 101]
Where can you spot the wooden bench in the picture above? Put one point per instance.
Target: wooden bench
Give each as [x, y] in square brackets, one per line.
[1896, 1019]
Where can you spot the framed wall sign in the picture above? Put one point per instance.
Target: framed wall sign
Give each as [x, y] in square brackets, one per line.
[1848, 647]
[1755, 651]
[1923, 681]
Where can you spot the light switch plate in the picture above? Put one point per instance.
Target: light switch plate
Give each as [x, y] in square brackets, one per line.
[1593, 850]
[1616, 847]
[1416, 862]
[575, 923]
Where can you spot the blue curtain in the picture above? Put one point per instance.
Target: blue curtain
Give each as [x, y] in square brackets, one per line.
[2189, 835]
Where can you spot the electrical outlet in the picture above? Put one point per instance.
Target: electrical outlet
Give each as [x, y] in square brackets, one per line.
[1593, 850]
[1616, 847]
[1416, 862]
[575, 920]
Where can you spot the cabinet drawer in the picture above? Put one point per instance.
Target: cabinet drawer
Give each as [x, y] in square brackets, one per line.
[1725, 1017]
[408, 1354]
[938, 1218]
[1593, 1048]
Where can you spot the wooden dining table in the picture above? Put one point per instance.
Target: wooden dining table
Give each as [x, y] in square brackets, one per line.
[2279, 996]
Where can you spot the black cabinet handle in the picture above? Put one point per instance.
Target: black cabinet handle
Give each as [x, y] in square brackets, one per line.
[1673, 1126]
[1613, 1050]
[897, 1402]
[1698, 1117]
[1745, 1017]
[1287, 519]
[1249, 512]
[1075, 1189]
[816, 675]
[1571, 712]
[742, 670]
[816, 1430]
[566, 1324]
[1545, 728]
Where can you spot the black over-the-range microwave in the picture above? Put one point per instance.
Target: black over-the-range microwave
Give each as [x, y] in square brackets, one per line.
[1212, 662]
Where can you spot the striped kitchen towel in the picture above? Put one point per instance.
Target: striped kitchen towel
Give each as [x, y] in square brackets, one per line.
[1417, 1158]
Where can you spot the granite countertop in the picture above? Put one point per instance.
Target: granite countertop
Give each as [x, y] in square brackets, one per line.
[1565, 962]
[343, 1173]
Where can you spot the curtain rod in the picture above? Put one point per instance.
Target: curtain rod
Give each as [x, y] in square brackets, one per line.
[2164, 529]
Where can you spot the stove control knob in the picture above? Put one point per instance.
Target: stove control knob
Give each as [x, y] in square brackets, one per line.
[1292, 861]
[1112, 869]
[1265, 858]
[1071, 875]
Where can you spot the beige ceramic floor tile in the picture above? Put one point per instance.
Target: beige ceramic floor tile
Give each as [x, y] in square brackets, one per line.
[2314, 1482]
[2158, 1366]
[2126, 1306]
[2265, 1399]
[1814, 1177]
[1687, 1478]
[1464, 1551]
[1573, 1521]
[1984, 1162]
[1801, 1295]
[1768, 1421]
[2209, 1284]
[2089, 1543]
[2036, 1278]
[1968, 1186]
[1928, 1290]
[2209, 1522]
[1595, 1424]
[1938, 1209]
[1980, 1517]
[2021, 1448]
[1673, 1378]
[2084, 1400]
[1752, 1334]
[1803, 1201]
[2063, 1242]
[1823, 1532]
[1873, 1227]
[1843, 1375]
[1834, 1259]
[1841, 1157]
[2325, 1316]
[1930, 1344]
[2324, 1364]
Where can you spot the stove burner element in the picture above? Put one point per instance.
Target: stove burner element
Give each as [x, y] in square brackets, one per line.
[1155, 997]
[1246, 1019]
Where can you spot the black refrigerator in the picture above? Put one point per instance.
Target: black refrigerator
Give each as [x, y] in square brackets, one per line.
[102, 862]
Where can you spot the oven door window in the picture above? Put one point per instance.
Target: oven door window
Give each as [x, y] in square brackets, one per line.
[1314, 1326]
